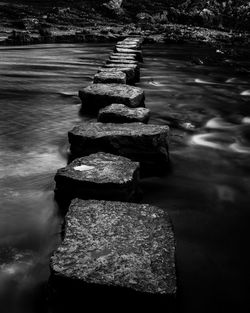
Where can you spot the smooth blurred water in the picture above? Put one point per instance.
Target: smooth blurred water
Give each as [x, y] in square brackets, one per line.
[206, 194]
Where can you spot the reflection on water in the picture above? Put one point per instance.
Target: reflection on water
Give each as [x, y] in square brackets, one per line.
[206, 194]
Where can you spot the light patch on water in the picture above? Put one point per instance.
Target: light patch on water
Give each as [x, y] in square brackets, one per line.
[245, 93]
[203, 140]
[246, 120]
[219, 123]
[32, 163]
[83, 168]
[156, 84]
[236, 147]
[201, 81]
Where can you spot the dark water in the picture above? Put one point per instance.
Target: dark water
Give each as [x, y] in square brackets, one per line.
[207, 193]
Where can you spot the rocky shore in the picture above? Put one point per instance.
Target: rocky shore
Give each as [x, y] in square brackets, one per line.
[26, 24]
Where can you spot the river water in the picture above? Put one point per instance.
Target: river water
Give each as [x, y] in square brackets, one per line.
[206, 193]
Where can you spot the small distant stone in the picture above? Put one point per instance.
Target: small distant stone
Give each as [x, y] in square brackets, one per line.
[115, 77]
[122, 57]
[97, 96]
[119, 113]
[116, 244]
[122, 61]
[147, 144]
[99, 176]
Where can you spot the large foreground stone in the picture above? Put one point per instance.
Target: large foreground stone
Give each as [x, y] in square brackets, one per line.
[114, 247]
[115, 77]
[130, 73]
[99, 176]
[97, 96]
[138, 53]
[147, 144]
[119, 113]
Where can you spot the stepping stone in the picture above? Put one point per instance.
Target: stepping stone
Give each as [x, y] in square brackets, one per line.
[115, 251]
[130, 73]
[147, 144]
[131, 44]
[127, 46]
[138, 53]
[124, 55]
[115, 77]
[122, 61]
[119, 113]
[97, 96]
[99, 176]
[121, 57]
[135, 67]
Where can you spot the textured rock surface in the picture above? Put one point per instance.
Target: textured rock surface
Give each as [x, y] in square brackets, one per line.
[97, 96]
[135, 68]
[130, 43]
[99, 176]
[115, 56]
[147, 144]
[115, 77]
[127, 46]
[122, 61]
[130, 73]
[117, 244]
[124, 55]
[138, 53]
[119, 113]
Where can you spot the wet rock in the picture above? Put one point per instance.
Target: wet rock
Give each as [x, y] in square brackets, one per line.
[122, 57]
[115, 250]
[130, 73]
[97, 96]
[115, 77]
[130, 43]
[135, 68]
[119, 113]
[122, 61]
[127, 46]
[138, 53]
[147, 144]
[99, 176]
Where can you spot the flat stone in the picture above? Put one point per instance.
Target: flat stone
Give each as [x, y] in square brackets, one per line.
[138, 53]
[130, 44]
[122, 61]
[135, 68]
[124, 55]
[99, 176]
[147, 144]
[130, 73]
[119, 113]
[127, 46]
[121, 57]
[119, 245]
[97, 96]
[117, 77]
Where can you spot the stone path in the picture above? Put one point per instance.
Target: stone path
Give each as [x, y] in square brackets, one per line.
[123, 248]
